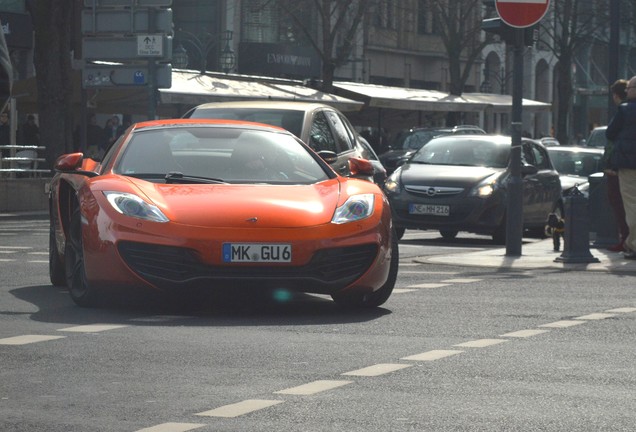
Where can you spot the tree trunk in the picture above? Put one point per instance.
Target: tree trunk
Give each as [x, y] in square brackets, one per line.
[52, 61]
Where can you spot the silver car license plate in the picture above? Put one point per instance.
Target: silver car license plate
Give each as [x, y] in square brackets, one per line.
[257, 252]
[429, 209]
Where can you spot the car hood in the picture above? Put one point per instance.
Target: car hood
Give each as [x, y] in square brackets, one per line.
[395, 155]
[446, 175]
[569, 181]
[221, 205]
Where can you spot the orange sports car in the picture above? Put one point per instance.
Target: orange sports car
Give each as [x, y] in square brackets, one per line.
[218, 204]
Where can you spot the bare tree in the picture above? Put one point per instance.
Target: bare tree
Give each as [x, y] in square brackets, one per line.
[458, 23]
[570, 25]
[337, 24]
[52, 61]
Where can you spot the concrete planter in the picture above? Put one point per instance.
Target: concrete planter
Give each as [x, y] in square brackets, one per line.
[24, 194]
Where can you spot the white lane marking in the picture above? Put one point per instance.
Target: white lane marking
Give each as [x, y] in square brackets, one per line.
[481, 343]
[7, 260]
[524, 333]
[240, 408]
[622, 310]
[376, 370]
[92, 328]
[8, 252]
[562, 324]
[27, 339]
[595, 316]
[462, 280]
[15, 247]
[37, 253]
[172, 427]
[402, 290]
[314, 387]
[38, 262]
[428, 285]
[160, 318]
[423, 272]
[432, 355]
[409, 264]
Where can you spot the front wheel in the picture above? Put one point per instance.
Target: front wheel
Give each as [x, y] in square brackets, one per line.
[380, 296]
[57, 274]
[78, 287]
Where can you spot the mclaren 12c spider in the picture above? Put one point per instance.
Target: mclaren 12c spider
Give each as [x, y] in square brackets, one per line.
[218, 204]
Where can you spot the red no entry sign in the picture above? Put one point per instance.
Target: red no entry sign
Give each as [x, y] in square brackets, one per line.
[521, 13]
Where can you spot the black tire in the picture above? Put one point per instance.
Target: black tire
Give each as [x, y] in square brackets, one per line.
[399, 232]
[57, 273]
[448, 234]
[76, 281]
[380, 296]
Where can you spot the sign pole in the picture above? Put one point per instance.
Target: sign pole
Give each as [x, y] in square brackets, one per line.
[514, 220]
[152, 72]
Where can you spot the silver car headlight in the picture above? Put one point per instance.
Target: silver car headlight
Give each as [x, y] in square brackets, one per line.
[357, 207]
[133, 206]
[392, 184]
[486, 187]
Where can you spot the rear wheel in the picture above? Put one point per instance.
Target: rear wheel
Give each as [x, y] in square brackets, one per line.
[78, 287]
[448, 234]
[380, 296]
[57, 274]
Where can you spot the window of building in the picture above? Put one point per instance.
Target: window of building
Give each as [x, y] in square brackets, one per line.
[423, 17]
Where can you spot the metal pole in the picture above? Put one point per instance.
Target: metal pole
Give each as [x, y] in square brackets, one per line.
[514, 218]
[152, 72]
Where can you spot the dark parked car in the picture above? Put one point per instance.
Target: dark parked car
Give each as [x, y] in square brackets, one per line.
[575, 164]
[460, 182]
[324, 128]
[407, 142]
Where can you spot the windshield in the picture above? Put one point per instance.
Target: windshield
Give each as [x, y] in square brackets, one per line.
[576, 163]
[232, 155]
[463, 152]
[414, 140]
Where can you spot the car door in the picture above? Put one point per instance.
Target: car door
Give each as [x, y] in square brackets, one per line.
[549, 182]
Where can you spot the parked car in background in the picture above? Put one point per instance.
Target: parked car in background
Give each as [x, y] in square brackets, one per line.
[193, 204]
[597, 137]
[460, 183]
[575, 164]
[322, 127]
[549, 141]
[407, 142]
[379, 172]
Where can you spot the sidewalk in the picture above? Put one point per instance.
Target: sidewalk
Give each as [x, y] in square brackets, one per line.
[538, 255]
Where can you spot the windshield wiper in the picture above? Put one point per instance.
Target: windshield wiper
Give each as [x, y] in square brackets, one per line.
[177, 177]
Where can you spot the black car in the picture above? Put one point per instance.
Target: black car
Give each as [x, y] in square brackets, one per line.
[324, 128]
[460, 183]
[407, 142]
[575, 164]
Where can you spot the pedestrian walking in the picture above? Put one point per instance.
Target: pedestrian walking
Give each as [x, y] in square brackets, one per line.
[622, 131]
[619, 95]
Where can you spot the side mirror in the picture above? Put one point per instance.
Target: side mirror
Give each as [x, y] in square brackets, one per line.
[527, 169]
[69, 162]
[361, 167]
[328, 156]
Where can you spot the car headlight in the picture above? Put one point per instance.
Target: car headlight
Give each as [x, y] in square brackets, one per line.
[487, 187]
[392, 184]
[357, 207]
[133, 206]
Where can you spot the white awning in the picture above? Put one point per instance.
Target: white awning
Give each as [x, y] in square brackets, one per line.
[192, 88]
[378, 96]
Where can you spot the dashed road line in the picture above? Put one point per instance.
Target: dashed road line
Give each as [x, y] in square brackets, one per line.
[92, 328]
[562, 324]
[432, 355]
[28, 339]
[240, 408]
[595, 316]
[428, 285]
[524, 333]
[402, 290]
[462, 280]
[314, 387]
[481, 343]
[173, 427]
[377, 370]
[622, 310]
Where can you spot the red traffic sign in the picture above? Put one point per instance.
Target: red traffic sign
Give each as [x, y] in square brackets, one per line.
[521, 13]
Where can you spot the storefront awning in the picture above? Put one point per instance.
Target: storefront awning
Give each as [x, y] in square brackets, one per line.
[192, 88]
[378, 96]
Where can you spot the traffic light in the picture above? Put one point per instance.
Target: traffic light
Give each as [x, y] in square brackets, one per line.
[497, 27]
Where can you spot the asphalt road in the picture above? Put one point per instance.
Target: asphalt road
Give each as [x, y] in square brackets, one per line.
[454, 349]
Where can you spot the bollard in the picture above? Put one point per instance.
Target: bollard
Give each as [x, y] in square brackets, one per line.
[602, 220]
[576, 242]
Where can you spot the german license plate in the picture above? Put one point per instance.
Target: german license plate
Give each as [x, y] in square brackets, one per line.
[429, 209]
[257, 252]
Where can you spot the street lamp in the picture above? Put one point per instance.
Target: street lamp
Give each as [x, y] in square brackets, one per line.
[203, 47]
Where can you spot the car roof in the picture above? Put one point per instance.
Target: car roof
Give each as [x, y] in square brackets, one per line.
[497, 139]
[204, 122]
[576, 149]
